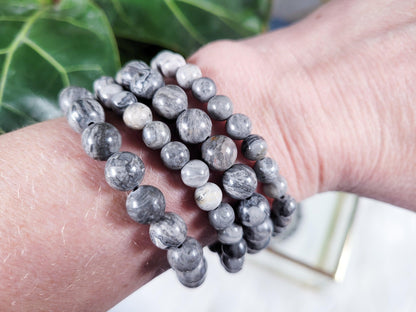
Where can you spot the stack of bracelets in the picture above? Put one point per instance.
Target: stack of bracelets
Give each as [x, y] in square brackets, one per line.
[246, 228]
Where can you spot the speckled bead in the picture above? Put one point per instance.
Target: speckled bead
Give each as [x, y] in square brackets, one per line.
[208, 196]
[137, 116]
[146, 82]
[219, 152]
[231, 234]
[220, 107]
[284, 205]
[187, 256]
[239, 181]
[125, 75]
[203, 89]
[279, 220]
[84, 112]
[194, 126]
[260, 232]
[236, 250]
[266, 170]
[101, 140]
[276, 188]
[169, 101]
[120, 101]
[254, 210]
[169, 231]
[195, 277]
[222, 216]
[70, 94]
[238, 126]
[254, 247]
[167, 62]
[232, 265]
[254, 147]
[195, 173]
[156, 134]
[186, 75]
[146, 204]
[124, 171]
[102, 82]
[105, 93]
[175, 155]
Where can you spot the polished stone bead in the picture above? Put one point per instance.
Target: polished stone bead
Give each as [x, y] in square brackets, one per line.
[169, 231]
[187, 256]
[239, 181]
[101, 140]
[280, 220]
[276, 188]
[195, 173]
[266, 170]
[236, 250]
[238, 126]
[120, 101]
[231, 234]
[222, 216]
[285, 205]
[169, 101]
[175, 155]
[195, 277]
[70, 94]
[194, 126]
[137, 115]
[277, 230]
[254, 247]
[253, 210]
[102, 82]
[146, 204]
[208, 196]
[84, 112]
[203, 89]
[260, 232]
[105, 93]
[146, 82]
[232, 265]
[156, 134]
[254, 147]
[124, 171]
[160, 56]
[220, 107]
[186, 75]
[126, 74]
[168, 62]
[137, 64]
[219, 152]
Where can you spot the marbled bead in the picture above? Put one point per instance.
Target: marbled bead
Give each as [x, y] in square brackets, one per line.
[169, 101]
[126, 74]
[159, 57]
[156, 134]
[194, 126]
[102, 82]
[232, 265]
[238, 126]
[219, 152]
[266, 170]
[146, 204]
[187, 256]
[169, 231]
[137, 115]
[222, 216]
[220, 107]
[83, 112]
[236, 250]
[186, 74]
[277, 230]
[146, 82]
[284, 205]
[124, 171]
[101, 140]
[137, 64]
[254, 247]
[70, 94]
[279, 220]
[195, 173]
[253, 210]
[121, 100]
[276, 188]
[170, 64]
[254, 147]
[195, 277]
[203, 89]
[231, 234]
[239, 181]
[208, 196]
[260, 232]
[105, 93]
[175, 155]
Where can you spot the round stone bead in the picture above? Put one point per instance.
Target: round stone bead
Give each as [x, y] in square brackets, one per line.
[219, 152]
[70, 94]
[156, 134]
[208, 196]
[101, 140]
[275, 189]
[137, 64]
[266, 170]
[254, 210]
[170, 64]
[280, 221]
[222, 216]
[187, 256]
[102, 82]
[195, 173]
[84, 112]
[124, 171]
[159, 57]
[238, 126]
[195, 277]
[105, 93]
[203, 89]
[231, 234]
[120, 101]
[254, 247]
[194, 126]
[169, 101]
[277, 230]
[175, 155]
[260, 232]
[125, 75]
[169, 231]
[284, 205]
[239, 181]
[137, 115]
[146, 82]
[186, 75]
[232, 265]
[254, 147]
[146, 204]
[236, 250]
[220, 107]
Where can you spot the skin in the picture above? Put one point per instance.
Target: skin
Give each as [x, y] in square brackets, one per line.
[332, 95]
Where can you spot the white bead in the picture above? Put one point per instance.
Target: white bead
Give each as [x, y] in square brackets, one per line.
[137, 115]
[208, 197]
[186, 75]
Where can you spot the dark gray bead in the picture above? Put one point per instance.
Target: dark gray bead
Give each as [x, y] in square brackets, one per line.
[125, 75]
[220, 107]
[169, 101]
[175, 155]
[239, 181]
[232, 265]
[146, 82]
[260, 232]
[203, 89]
[194, 278]
[121, 100]
[102, 82]
[254, 147]
[195, 173]
[105, 93]
[236, 250]
[101, 140]
[284, 205]
[266, 170]
[156, 134]
[231, 234]
[84, 112]
[194, 126]
[124, 171]
[208, 196]
[254, 247]
[187, 256]
[137, 115]
[277, 217]
[169, 231]
[276, 188]
[221, 217]
[238, 126]
[277, 230]
[219, 152]
[253, 210]
[70, 94]
[146, 204]
[186, 74]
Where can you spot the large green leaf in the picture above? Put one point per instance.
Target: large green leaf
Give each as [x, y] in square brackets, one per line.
[45, 47]
[184, 25]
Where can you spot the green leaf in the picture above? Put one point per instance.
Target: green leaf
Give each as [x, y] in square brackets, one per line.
[45, 47]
